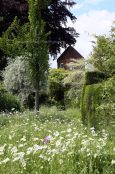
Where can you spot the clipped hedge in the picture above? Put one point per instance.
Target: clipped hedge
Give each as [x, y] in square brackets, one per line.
[90, 100]
[94, 77]
[97, 104]
[8, 101]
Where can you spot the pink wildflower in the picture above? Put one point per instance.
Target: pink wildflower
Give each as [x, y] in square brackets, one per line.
[47, 139]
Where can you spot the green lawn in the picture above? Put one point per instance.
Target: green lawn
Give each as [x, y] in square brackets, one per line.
[53, 142]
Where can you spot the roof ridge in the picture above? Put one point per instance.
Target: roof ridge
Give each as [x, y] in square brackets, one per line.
[64, 52]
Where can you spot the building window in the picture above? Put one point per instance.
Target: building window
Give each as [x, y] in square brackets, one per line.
[72, 68]
[61, 65]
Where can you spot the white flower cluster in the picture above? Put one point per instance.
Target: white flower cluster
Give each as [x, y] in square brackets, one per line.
[44, 142]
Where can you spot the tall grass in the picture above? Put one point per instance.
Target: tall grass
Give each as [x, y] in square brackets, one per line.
[53, 142]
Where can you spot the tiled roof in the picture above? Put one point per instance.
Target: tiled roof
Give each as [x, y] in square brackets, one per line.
[70, 52]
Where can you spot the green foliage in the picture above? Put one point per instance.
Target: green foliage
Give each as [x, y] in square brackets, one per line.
[56, 87]
[90, 99]
[66, 86]
[13, 40]
[57, 75]
[107, 107]
[73, 83]
[37, 48]
[97, 104]
[37, 44]
[94, 77]
[103, 55]
[8, 101]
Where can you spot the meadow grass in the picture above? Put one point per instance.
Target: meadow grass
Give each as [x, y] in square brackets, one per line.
[53, 142]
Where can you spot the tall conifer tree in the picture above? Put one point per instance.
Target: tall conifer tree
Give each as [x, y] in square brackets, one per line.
[37, 47]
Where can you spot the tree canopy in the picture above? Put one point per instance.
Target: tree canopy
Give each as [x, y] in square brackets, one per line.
[55, 16]
[103, 55]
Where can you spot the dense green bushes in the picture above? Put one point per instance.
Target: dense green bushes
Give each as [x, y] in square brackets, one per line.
[94, 77]
[7, 101]
[65, 87]
[73, 84]
[97, 103]
[56, 87]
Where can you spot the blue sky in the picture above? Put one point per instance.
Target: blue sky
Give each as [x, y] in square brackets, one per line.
[87, 5]
[94, 17]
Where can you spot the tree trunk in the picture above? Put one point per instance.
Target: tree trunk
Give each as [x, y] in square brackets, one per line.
[36, 101]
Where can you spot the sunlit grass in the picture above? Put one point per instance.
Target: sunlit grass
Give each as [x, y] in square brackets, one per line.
[53, 142]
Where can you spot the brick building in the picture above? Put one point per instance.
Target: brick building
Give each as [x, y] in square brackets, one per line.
[68, 56]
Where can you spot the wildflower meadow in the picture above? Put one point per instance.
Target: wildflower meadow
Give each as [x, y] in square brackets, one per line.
[53, 142]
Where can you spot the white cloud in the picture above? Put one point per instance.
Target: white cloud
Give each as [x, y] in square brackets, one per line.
[88, 24]
[95, 21]
[78, 6]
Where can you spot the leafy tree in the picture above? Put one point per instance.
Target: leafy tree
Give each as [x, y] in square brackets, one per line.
[16, 78]
[103, 55]
[17, 82]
